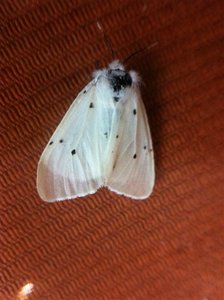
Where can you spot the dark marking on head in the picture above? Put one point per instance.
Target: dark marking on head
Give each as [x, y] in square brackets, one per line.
[61, 141]
[91, 105]
[117, 136]
[116, 99]
[135, 156]
[134, 111]
[119, 79]
[51, 143]
[144, 147]
[73, 152]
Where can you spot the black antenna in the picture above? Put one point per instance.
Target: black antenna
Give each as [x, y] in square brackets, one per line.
[139, 51]
[109, 44]
[106, 39]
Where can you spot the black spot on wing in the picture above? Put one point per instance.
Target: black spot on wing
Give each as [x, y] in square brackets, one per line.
[61, 141]
[134, 111]
[106, 134]
[144, 147]
[116, 99]
[117, 136]
[73, 152]
[135, 155]
[91, 105]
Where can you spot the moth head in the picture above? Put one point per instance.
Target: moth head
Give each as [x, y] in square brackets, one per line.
[119, 78]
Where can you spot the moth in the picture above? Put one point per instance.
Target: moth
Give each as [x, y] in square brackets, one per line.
[103, 140]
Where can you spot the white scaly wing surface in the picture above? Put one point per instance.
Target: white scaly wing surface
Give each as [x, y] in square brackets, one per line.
[72, 163]
[133, 172]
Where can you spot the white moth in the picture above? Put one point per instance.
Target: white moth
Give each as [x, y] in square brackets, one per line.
[103, 141]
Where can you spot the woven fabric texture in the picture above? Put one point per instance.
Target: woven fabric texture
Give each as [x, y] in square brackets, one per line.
[106, 246]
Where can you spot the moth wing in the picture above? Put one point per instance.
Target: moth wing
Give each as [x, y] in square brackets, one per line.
[133, 174]
[70, 166]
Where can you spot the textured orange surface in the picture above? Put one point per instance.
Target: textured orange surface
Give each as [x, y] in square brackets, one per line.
[106, 246]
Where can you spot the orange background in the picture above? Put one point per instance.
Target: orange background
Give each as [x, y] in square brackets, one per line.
[106, 246]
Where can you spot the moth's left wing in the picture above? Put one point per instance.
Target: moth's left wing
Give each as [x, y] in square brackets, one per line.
[70, 165]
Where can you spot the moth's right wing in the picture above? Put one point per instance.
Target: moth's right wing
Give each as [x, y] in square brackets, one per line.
[71, 165]
[133, 173]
